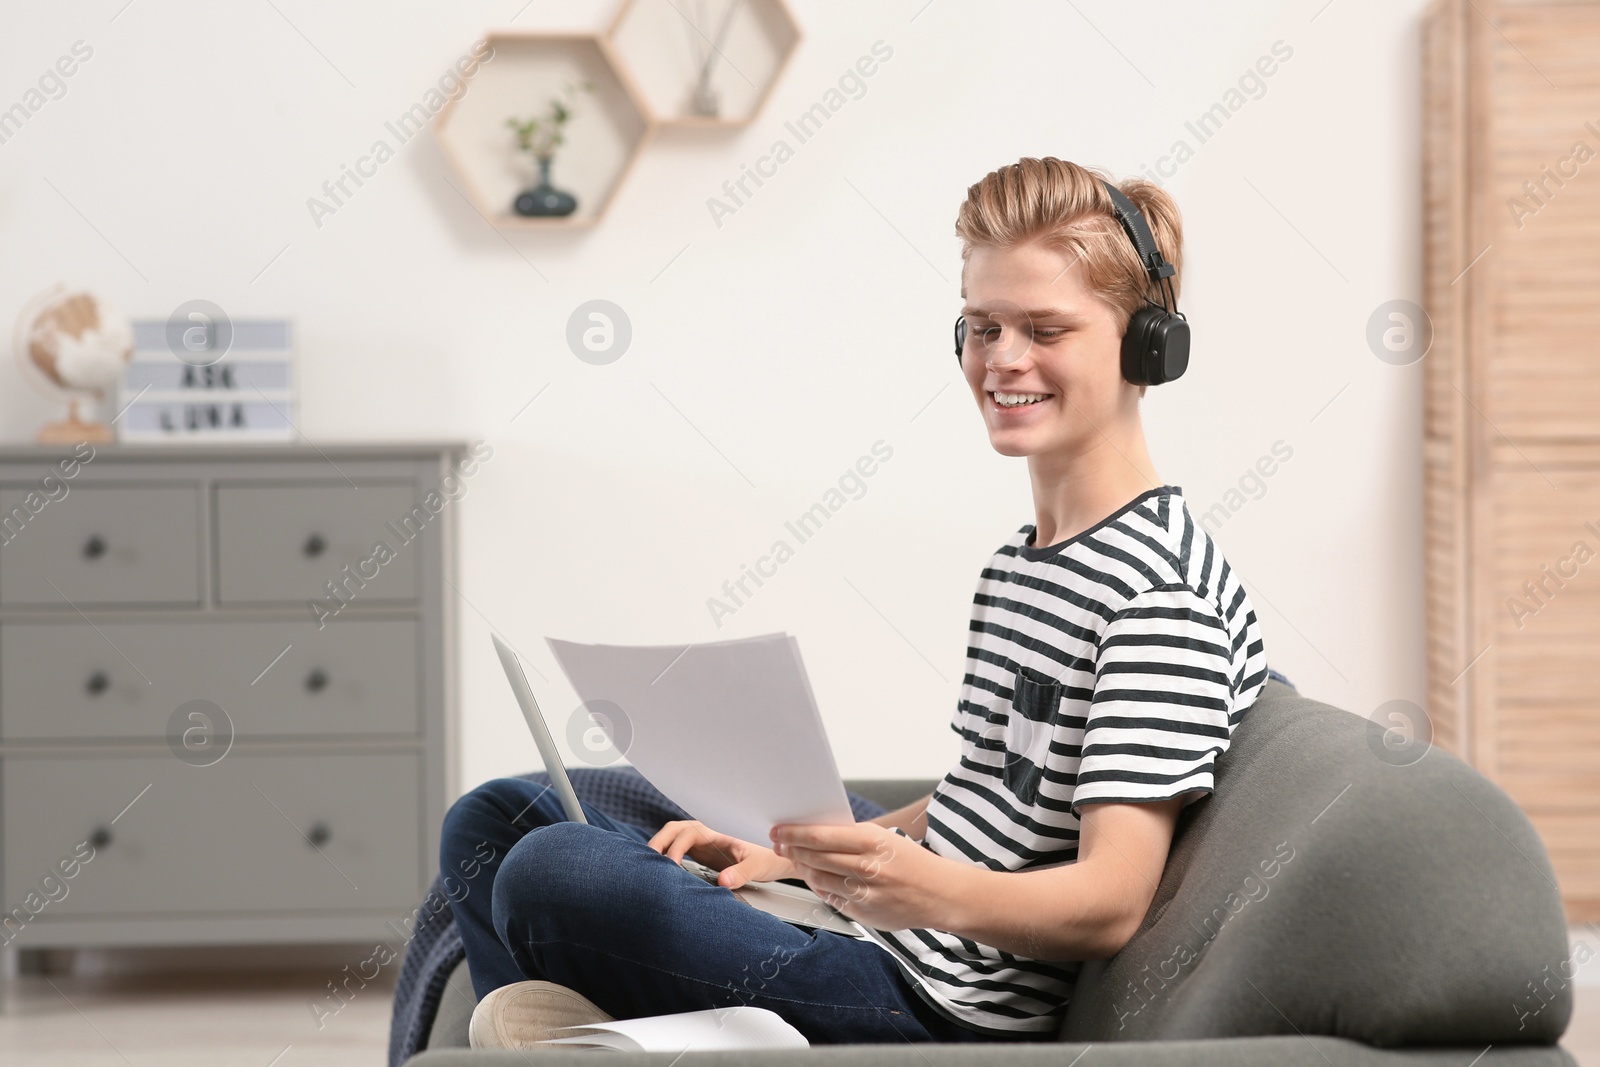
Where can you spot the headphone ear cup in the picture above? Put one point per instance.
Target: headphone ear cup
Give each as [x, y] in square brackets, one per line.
[1155, 348]
[961, 336]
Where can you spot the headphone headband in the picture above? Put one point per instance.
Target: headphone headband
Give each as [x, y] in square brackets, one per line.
[1138, 230]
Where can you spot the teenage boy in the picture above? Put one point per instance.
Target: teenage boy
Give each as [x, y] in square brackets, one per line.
[1112, 651]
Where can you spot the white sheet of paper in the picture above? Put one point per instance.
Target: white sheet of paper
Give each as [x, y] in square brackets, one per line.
[728, 730]
[740, 1026]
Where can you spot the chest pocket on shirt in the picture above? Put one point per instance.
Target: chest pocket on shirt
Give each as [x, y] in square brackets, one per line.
[1029, 725]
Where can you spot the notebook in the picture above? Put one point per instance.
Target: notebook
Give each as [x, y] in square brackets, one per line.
[739, 1027]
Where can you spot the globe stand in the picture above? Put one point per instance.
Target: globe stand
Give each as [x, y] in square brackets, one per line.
[71, 430]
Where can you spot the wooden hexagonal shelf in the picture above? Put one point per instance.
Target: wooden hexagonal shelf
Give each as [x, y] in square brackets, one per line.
[608, 128]
[689, 57]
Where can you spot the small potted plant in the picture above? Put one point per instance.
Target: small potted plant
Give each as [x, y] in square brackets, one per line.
[541, 136]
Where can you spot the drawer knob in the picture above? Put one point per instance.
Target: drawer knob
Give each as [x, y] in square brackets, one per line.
[95, 547]
[317, 680]
[100, 837]
[98, 683]
[319, 834]
[314, 546]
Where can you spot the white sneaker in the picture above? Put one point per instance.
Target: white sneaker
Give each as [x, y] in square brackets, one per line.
[523, 1014]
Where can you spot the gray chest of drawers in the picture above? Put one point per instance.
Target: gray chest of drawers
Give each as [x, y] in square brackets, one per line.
[226, 690]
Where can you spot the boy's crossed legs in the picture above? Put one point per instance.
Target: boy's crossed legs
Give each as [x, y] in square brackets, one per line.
[594, 908]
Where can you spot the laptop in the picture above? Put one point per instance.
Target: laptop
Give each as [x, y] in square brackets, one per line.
[792, 904]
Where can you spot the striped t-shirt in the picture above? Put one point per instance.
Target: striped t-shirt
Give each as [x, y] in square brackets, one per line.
[1110, 667]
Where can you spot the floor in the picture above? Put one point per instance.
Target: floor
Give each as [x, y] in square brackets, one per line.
[264, 1018]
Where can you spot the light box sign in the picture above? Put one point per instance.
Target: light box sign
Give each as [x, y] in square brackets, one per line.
[202, 383]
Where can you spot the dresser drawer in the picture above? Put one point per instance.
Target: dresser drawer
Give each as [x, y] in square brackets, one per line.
[66, 680]
[104, 546]
[284, 543]
[232, 837]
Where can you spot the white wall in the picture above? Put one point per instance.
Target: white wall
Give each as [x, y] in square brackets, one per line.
[812, 323]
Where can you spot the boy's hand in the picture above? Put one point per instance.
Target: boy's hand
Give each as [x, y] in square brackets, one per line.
[738, 861]
[871, 874]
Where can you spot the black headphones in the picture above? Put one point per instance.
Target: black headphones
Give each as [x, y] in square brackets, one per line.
[1155, 348]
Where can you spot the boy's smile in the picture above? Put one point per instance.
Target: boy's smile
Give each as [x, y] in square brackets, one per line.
[1012, 405]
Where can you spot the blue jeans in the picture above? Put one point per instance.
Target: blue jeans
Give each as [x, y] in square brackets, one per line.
[594, 908]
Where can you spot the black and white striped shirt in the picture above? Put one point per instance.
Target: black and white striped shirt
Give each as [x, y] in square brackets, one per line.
[1110, 667]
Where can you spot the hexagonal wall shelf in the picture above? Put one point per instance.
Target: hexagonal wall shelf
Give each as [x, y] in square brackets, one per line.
[607, 130]
[666, 44]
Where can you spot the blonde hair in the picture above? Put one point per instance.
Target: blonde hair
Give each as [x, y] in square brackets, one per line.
[1064, 206]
